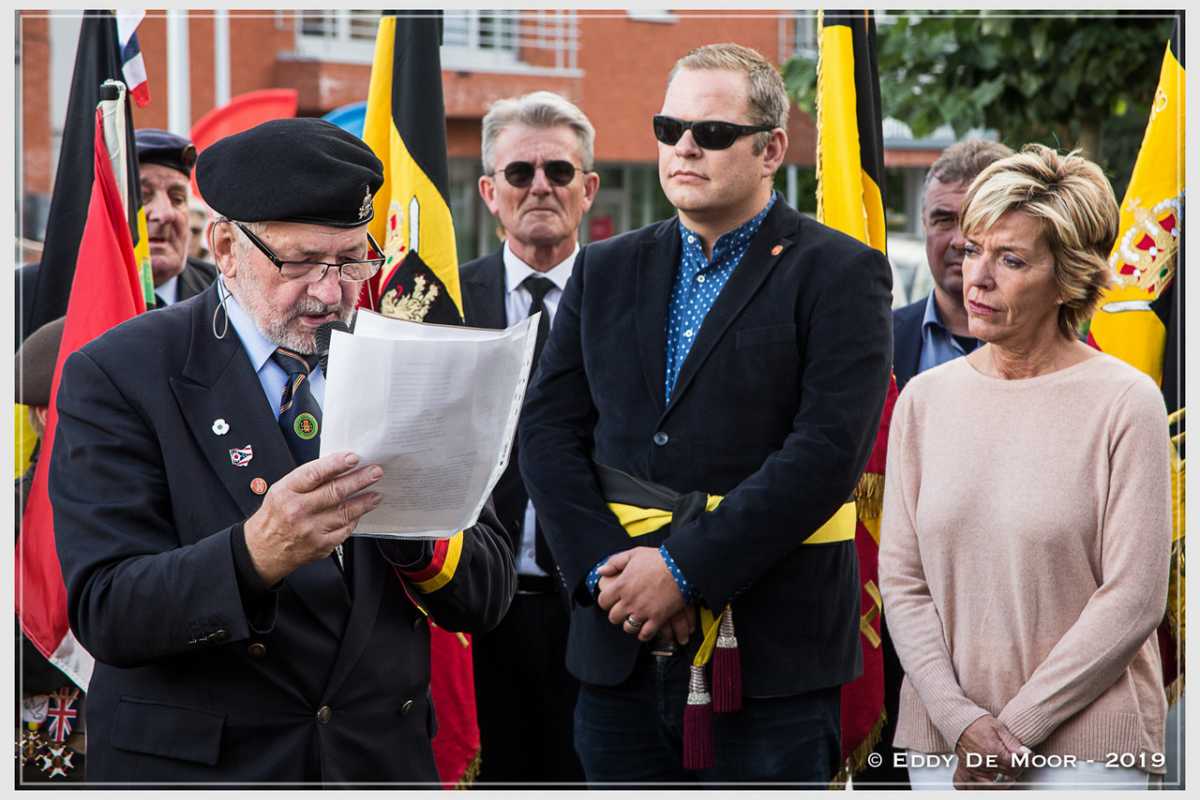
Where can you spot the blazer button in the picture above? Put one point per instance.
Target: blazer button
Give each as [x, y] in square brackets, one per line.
[407, 707]
[661, 438]
[257, 650]
[324, 714]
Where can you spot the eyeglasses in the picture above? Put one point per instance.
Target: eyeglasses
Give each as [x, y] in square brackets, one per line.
[710, 134]
[315, 270]
[520, 173]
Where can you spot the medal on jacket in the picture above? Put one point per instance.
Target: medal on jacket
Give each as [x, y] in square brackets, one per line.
[55, 760]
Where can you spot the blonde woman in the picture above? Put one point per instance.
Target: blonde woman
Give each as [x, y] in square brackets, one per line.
[1027, 511]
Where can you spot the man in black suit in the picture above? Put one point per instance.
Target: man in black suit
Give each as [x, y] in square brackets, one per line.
[538, 182]
[933, 330]
[239, 635]
[926, 333]
[165, 166]
[724, 370]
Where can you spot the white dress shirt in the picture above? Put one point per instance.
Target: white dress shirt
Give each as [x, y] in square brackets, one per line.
[517, 301]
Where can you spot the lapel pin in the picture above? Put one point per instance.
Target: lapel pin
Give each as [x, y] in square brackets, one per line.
[258, 486]
[241, 456]
[220, 427]
[777, 249]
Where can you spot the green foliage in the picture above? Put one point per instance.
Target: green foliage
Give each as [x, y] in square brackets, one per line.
[1065, 80]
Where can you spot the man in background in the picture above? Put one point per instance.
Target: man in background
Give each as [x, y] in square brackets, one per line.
[538, 183]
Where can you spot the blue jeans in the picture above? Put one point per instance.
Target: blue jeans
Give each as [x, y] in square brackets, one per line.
[633, 733]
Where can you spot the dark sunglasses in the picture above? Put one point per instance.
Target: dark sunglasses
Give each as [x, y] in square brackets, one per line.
[710, 134]
[520, 173]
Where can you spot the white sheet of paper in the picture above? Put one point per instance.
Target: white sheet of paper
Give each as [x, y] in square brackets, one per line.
[436, 406]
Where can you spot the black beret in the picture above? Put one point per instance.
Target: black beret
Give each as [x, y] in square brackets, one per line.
[155, 146]
[35, 363]
[291, 170]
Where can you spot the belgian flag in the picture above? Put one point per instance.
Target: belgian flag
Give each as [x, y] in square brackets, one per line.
[850, 128]
[850, 199]
[406, 127]
[1140, 317]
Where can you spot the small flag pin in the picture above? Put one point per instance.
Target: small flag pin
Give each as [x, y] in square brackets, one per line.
[220, 427]
[777, 249]
[241, 456]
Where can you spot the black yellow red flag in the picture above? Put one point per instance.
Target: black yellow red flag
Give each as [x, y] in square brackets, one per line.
[850, 128]
[1140, 317]
[850, 199]
[406, 127]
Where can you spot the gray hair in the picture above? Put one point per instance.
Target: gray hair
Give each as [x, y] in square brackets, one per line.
[536, 110]
[962, 161]
[769, 103]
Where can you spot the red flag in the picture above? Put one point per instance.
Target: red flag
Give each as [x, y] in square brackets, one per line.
[456, 746]
[105, 291]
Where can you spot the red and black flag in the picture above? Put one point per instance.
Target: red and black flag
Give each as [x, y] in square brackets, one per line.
[406, 127]
[106, 290]
[97, 59]
[850, 199]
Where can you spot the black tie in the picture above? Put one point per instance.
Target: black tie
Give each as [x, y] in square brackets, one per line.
[299, 414]
[159, 302]
[538, 286]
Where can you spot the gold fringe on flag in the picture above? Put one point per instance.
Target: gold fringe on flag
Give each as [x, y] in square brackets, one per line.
[471, 772]
[868, 496]
[858, 759]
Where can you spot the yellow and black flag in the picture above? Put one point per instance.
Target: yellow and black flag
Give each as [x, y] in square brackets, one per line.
[850, 199]
[1140, 317]
[406, 127]
[850, 128]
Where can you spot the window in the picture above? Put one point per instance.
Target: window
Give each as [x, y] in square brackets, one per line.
[470, 39]
[805, 40]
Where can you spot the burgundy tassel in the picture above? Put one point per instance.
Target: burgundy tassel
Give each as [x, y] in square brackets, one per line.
[727, 668]
[698, 724]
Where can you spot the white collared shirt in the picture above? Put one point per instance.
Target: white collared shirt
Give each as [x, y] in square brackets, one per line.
[169, 291]
[517, 301]
[259, 348]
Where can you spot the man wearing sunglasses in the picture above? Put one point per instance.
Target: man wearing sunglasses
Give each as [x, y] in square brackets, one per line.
[538, 182]
[705, 404]
[239, 634]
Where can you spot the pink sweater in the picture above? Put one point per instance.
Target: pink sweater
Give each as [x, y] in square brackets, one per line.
[1023, 558]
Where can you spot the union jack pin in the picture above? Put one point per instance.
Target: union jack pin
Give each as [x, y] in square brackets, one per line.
[62, 714]
[240, 456]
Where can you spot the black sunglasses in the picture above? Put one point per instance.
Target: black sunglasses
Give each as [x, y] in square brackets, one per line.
[710, 134]
[520, 173]
[358, 270]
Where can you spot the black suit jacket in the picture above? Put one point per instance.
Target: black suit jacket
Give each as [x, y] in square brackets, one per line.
[189, 683]
[482, 283]
[776, 408]
[906, 334]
